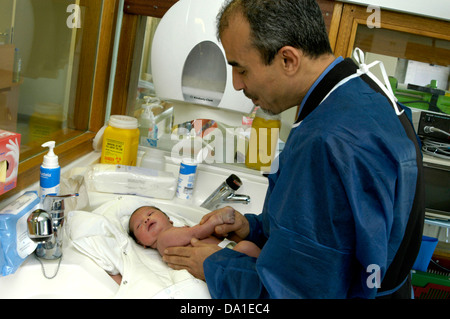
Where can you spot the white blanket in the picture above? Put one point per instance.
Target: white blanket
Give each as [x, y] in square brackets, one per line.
[103, 236]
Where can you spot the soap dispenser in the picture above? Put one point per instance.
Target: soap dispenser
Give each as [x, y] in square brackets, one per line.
[147, 124]
[50, 172]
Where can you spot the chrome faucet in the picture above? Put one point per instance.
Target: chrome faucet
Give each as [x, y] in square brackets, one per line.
[45, 226]
[225, 193]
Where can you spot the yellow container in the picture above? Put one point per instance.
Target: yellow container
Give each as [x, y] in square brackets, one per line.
[120, 141]
[263, 141]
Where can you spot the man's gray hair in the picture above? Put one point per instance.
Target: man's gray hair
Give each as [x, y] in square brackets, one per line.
[278, 23]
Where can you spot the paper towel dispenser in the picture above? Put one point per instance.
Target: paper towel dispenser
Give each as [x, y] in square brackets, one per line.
[204, 75]
[188, 62]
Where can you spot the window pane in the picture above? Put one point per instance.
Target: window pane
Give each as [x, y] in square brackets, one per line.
[144, 89]
[419, 65]
[45, 86]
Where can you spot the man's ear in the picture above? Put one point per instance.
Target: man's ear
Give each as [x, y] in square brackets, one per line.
[291, 58]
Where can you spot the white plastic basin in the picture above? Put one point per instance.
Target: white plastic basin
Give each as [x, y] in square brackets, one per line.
[77, 277]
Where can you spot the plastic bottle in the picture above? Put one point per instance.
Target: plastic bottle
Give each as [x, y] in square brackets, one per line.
[120, 141]
[147, 124]
[263, 141]
[50, 173]
[186, 178]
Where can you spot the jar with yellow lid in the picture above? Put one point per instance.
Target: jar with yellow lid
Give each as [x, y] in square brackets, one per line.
[263, 141]
[120, 141]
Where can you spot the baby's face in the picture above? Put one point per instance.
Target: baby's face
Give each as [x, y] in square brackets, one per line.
[147, 223]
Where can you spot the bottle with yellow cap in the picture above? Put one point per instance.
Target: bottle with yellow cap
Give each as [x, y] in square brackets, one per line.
[120, 141]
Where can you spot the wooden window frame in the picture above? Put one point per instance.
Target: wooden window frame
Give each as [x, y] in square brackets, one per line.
[129, 45]
[90, 96]
[354, 15]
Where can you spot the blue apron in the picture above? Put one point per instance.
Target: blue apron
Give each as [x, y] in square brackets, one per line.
[347, 197]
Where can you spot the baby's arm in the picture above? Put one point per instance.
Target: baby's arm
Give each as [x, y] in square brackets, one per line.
[181, 236]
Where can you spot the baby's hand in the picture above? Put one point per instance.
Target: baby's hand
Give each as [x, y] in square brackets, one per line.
[228, 215]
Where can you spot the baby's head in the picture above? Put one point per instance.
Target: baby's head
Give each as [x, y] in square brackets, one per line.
[146, 223]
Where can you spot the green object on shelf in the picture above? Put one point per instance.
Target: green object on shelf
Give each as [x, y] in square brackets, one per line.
[420, 279]
[422, 97]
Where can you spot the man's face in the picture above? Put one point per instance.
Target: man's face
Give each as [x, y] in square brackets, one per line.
[260, 82]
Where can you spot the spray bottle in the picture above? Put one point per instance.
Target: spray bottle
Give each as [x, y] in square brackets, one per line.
[50, 172]
[147, 124]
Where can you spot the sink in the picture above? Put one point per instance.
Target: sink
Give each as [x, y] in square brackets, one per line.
[77, 277]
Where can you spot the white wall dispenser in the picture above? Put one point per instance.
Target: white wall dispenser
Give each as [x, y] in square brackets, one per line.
[188, 62]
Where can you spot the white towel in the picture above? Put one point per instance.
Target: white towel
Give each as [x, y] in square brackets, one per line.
[103, 236]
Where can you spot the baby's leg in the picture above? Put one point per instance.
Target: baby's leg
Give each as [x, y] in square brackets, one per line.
[248, 248]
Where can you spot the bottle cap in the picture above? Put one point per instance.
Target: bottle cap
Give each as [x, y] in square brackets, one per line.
[123, 122]
[50, 160]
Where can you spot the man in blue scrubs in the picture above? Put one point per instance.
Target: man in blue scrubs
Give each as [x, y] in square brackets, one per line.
[343, 214]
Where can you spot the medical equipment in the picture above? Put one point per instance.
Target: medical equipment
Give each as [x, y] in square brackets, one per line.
[435, 126]
[434, 129]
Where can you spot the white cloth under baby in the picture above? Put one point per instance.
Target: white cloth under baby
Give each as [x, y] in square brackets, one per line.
[102, 235]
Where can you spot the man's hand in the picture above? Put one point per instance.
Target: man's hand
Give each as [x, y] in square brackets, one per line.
[237, 231]
[190, 258]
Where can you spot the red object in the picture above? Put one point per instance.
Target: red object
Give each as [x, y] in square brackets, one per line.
[432, 291]
[9, 159]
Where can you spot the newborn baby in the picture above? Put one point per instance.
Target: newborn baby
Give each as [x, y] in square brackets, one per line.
[150, 227]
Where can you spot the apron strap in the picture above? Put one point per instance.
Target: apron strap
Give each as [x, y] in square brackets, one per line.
[391, 291]
[359, 57]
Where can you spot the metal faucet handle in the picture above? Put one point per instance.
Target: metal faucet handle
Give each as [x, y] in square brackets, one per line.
[234, 182]
[40, 226]
[225, 192]
[56, 202]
